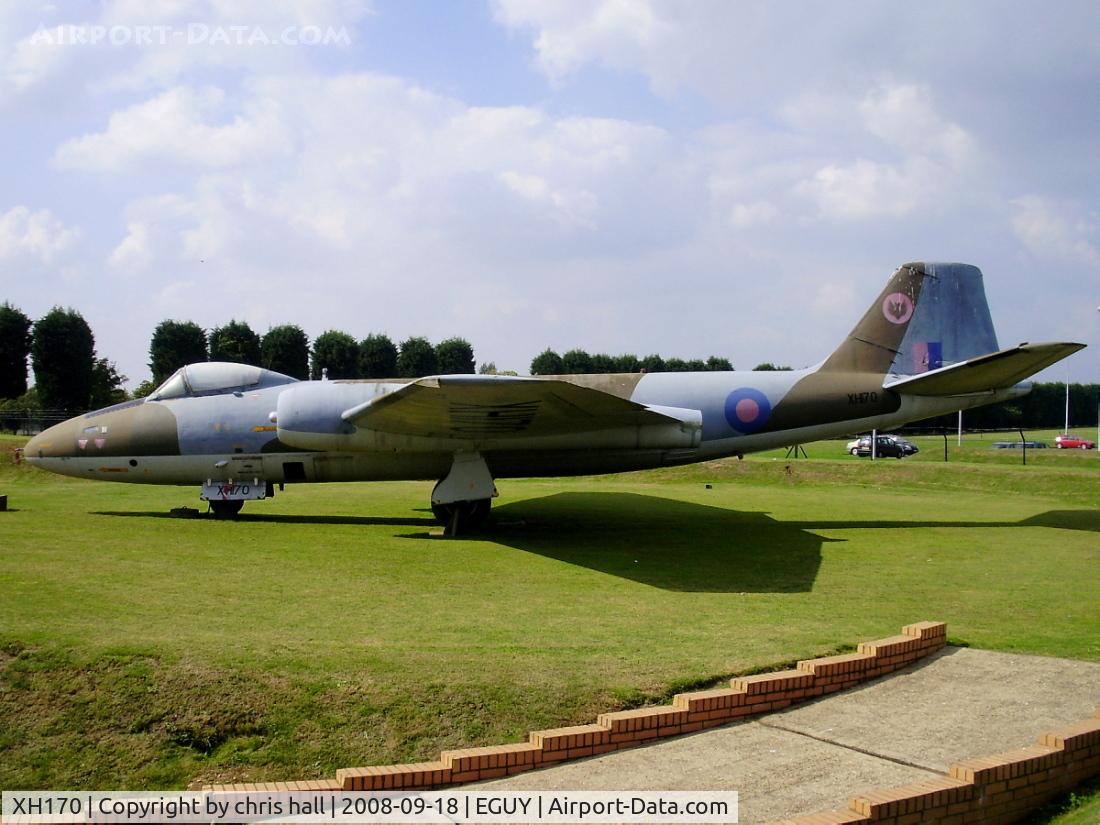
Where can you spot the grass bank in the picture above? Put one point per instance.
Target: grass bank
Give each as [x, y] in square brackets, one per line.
[326, 628]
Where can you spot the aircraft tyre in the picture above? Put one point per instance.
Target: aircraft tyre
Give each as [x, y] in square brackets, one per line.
[226, 509]
[462, 516]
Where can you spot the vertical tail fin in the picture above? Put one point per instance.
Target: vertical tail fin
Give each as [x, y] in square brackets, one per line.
[928, 316]
[952, 322]
[876, 340]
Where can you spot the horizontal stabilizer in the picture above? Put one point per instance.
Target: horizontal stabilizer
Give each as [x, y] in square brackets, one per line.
[482, 407]
[998, 370]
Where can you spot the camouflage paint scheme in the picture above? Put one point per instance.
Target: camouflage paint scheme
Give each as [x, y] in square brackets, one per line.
[275, 429]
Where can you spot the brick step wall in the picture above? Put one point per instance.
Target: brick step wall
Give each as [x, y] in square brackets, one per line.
[746, 696]
[993, 789]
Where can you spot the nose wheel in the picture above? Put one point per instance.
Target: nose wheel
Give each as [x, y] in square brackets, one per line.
[226, 509]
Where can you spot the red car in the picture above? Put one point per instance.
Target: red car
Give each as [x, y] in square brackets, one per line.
[1073, 441]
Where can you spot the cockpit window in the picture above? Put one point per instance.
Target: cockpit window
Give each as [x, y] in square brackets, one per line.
[217, 378]
[174, 387]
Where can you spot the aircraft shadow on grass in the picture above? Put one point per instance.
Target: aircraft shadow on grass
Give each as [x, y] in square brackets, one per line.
[678, 545]
[667, 543]
[1086, 520]
[285, 518]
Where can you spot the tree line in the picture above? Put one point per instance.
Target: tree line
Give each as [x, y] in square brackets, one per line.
[69, 374]
[579, 362]
[287, 349]
[1043, 408]
[71, 377]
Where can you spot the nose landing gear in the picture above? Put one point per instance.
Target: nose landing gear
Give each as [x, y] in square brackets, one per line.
[226, 509]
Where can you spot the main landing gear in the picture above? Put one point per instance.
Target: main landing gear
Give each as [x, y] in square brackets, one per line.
[461, 500]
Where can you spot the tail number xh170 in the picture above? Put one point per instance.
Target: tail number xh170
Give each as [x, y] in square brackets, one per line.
[862, 398]
[230, 491]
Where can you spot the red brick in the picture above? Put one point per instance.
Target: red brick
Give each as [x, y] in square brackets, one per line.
[926, 631]
[707, 700]
[891, 648]
[762, 683]
[571, 737]
[642, 718]
[1075, 737]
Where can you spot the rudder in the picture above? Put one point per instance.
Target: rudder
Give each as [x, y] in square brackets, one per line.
[951, 324]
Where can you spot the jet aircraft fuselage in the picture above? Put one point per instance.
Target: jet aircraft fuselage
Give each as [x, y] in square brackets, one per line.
[925, 347]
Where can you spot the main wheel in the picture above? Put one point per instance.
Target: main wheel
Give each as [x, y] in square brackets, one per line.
[224, 509]
[462, 516]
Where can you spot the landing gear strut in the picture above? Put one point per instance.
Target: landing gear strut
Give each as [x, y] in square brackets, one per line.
[462, 499]
[462, 516]
[225, 509]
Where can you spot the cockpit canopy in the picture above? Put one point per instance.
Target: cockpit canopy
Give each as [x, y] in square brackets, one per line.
[217, 378]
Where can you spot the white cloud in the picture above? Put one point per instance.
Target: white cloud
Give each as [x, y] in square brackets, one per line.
[152, 233]
[912, 157]
[37, 235]
[745, 215]
[291, 185]
[571, 34]
[130, 45]
[30, 64]
[1058, 231]
[179, 126]
[865, 189]
[384, 197]
[134, 251]
[904, 117]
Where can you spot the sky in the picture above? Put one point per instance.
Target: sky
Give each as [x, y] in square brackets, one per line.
[692, 178]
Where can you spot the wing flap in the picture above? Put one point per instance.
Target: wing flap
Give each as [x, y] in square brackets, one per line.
[500, 407]
[998, 370]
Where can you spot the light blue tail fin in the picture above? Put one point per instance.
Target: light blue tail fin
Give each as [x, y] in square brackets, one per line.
[951, 322]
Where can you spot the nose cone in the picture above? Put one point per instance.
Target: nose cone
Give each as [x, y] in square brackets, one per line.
[131, 429]
[58, 441]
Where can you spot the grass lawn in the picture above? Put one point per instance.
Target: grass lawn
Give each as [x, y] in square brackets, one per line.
[1079, 808]
[326, 629]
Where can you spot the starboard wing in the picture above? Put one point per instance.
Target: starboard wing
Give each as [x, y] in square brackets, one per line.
[500, 407]
[998, 370]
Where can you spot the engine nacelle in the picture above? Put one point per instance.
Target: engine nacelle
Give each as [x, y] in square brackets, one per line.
[307, 416]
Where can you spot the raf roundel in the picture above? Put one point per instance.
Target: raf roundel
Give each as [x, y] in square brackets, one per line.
[747, 409]
[897, 307]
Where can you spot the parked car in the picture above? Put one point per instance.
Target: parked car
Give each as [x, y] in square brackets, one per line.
[887, 446]
[909, 447]
[864, 441]
[1067, 441]
[1015, 445]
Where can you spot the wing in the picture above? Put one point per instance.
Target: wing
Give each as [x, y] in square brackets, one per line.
[998, 370]
[500, 407]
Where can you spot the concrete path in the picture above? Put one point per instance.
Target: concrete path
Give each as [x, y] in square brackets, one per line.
[903, 728]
